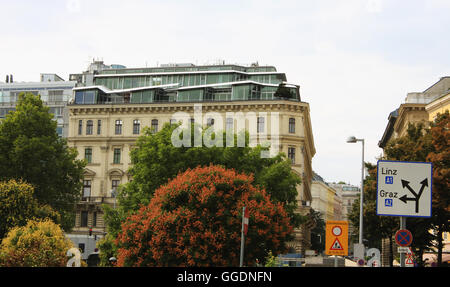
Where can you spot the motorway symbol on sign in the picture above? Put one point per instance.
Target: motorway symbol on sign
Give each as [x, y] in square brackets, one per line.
[416, 197]
[403, 237]
[404, 188]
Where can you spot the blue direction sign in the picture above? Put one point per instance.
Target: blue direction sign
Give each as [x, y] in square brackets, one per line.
[403, 237]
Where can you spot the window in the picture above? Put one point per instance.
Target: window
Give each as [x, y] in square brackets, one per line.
[114, 186]
[229, 124]
[136, 127]
[260, 125]
[86, 189]
[88, 154]
[291, 154]
[80, 127]
[89, 127]
[210, 122]
[59, 131]
[292, 125]
[99, 127]
[94, 219]
[118, 127]
[154, 126]
[84, 219]
[116, 155]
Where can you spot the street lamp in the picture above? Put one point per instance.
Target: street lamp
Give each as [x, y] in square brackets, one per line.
[352, 139]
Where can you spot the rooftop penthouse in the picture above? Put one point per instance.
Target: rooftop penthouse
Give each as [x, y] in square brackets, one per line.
[181, 83]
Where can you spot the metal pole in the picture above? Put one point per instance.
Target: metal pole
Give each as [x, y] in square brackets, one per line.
[361, 198]
[402, 226]
[241, 261]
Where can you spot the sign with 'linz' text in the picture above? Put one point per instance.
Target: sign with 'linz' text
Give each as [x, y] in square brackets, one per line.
[404, 188]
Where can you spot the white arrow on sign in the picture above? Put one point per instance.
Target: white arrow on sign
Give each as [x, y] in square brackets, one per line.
[404, 188]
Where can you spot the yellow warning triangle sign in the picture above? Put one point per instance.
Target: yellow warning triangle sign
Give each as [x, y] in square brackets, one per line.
[336, 245]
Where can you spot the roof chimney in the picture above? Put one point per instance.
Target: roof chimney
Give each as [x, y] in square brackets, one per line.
[11, 78]
[7, 78]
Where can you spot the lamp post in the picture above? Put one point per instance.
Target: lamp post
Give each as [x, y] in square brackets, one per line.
[352, 139]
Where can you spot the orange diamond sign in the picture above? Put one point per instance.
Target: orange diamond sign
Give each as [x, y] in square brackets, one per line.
[336, 242]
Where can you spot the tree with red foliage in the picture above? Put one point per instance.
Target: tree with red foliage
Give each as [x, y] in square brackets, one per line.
[195, 220]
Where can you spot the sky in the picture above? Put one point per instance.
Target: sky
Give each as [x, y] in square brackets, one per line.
[355, 60]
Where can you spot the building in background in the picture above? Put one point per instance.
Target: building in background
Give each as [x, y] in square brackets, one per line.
[326, 199]
[53, 90]
[418, 107]
[111, 105]
[348, 194]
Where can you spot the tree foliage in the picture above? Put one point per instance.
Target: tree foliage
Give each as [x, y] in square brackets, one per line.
[17, 206]
[375, 227]
[318, 232]
[195, 220]
[155, 160]
[440, 157]
[31, 150]
[38, 244]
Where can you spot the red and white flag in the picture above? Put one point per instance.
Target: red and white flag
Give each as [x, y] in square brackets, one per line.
[245, 220]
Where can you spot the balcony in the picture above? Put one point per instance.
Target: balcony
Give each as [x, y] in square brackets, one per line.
[92, 199]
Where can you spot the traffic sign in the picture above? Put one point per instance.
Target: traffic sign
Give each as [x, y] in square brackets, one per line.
[336, 238]
[403, 237]
[409, 261]
[404, 188]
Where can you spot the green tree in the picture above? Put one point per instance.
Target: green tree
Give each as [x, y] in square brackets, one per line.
[375, 227]
[17, 206]
[414, 146]
[38, 244]
[156, 160]
[31, 150]
[318, 232]
[440, 157]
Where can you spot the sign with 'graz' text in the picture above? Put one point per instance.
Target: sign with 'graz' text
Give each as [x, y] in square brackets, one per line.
[404, 188]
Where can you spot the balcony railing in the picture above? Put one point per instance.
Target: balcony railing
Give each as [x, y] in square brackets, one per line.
[92, 199]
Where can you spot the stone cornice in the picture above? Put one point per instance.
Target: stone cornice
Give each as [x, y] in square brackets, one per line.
[189, 107]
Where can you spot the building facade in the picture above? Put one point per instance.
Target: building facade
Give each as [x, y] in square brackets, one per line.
[53, 90]
[112, 105]
[326, 199]
[418, 107]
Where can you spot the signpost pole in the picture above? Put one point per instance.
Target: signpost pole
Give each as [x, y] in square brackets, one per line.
[241, 259]
[402, 226]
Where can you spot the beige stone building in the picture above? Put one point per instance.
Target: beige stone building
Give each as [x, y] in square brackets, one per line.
[111, 106]
[326, 199]
[418, 107]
